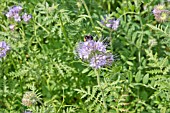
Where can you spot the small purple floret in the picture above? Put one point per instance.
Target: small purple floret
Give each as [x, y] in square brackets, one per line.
[14, 13]
[111, 23]
[26, 17]
[12, 27]
[3, 49]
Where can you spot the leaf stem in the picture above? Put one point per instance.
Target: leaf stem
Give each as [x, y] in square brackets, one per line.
[84, 3]
[91, 20]
[64, 31]
[111, 40]
[99, 85]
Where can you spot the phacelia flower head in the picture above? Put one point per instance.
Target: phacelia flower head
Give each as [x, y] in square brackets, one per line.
[13, 11]
[115, 24]
[26, 17]
[85, 49]
[12, 27]
[111, 23]
[16, 9]
[99, 46]
[9, 14]
[3, 49]
[97, 61]
[94, 52]
[163, 16]
[17, 17]
[29, 98]
[160, 13]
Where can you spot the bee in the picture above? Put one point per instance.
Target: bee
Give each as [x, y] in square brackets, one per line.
[88, 37]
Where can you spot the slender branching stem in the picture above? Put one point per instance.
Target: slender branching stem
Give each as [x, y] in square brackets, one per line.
[99, 85]
[64, 31]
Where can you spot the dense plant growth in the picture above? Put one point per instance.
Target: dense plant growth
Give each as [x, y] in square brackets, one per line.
[85, 56]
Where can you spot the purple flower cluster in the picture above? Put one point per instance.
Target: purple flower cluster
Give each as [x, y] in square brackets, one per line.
[14, 12]
[111, 23]
[95, 53]
[86, 48]
[26, 17]
[3, 49]
[100, 60]
[160, 13]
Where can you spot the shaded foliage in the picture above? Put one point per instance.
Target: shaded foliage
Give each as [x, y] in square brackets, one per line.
[42, 58]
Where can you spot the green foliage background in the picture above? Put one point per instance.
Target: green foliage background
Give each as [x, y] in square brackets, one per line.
[42, 58]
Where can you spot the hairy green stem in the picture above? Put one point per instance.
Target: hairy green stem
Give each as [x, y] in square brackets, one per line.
[84, 3]
[99, 85]
[61, 103]
[42, 27]
[35, 34]
[111, 40]
[140, 44]
[91, 20]
[64, 31]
